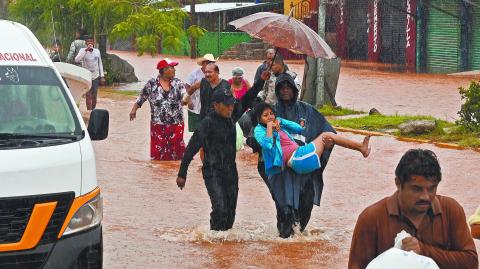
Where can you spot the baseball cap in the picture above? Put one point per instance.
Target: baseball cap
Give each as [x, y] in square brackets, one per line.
[166, 63]
[238, 71]
[223, 95]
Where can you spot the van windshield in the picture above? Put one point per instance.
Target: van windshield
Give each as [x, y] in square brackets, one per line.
[33, 103]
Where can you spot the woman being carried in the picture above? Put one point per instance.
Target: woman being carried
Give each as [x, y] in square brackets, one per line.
[279, 149]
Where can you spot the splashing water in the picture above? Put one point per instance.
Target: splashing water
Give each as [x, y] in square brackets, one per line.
[257, 233]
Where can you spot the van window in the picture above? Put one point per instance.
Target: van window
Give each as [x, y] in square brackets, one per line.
[34, 102]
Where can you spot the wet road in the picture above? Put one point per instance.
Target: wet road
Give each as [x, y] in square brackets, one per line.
[150, 223]
[361, 89]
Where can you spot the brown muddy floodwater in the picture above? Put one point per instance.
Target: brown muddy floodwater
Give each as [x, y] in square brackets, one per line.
[149, 223]
[358, 88]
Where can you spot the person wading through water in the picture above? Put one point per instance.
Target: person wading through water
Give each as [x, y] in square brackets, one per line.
[216, 134]
[165, 93]
[294, 194]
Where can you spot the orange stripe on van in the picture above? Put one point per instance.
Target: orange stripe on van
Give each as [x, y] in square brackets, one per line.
[37, 224]
[77, 203]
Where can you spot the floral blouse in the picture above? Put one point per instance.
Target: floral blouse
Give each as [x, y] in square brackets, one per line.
[166, 107]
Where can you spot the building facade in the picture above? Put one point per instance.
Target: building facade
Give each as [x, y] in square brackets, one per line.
[434, 36]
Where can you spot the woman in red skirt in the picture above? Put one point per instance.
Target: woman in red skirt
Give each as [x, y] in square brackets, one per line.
[165, 95]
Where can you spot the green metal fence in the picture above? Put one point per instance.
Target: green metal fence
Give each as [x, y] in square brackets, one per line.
[212, 42]
[216, 43]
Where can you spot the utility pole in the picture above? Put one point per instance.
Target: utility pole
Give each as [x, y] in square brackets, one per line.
[314, 72]
[193, 41]
[320, 90]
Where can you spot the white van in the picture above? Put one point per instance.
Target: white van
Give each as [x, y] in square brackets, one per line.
[50, 204]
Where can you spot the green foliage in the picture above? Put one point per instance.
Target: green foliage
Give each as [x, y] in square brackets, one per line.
[151, 26]
[123, 92]
[446, 132]
[470, 110]
[96, 16]
[196, 32]
[329, 110]
[152, 23]
[182, 50]
[377, 122]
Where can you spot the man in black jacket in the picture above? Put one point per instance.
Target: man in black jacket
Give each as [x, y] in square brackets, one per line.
[216, 134]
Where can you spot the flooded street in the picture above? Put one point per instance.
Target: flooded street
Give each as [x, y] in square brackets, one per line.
[149, 223]
[360, 89]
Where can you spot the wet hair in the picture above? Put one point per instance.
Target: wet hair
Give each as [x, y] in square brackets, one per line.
[258, 111]
[215, 67]
[419, 162]
[82, 33]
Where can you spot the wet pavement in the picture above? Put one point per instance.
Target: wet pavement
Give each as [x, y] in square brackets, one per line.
[361, 89]
[149, 223]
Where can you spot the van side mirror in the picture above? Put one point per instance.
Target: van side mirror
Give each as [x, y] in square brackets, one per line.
[98, 124]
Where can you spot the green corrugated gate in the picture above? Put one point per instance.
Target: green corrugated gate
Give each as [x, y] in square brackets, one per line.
[474, 48]
[216, 43]
[443, 37]
[212, 42]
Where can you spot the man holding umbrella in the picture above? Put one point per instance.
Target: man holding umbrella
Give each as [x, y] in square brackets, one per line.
[278, 67]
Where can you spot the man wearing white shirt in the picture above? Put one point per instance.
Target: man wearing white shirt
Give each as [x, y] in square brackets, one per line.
[91, 60]
[194, 105]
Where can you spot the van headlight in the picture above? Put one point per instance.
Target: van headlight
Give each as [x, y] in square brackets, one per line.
[87, 216]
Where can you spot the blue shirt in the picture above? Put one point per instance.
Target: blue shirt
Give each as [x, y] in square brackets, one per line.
[271, 147]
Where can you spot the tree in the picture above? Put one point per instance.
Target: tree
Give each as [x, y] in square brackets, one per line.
[193, 41]
[3, 9]
[160, 23]
[59, 19]
[148, 21]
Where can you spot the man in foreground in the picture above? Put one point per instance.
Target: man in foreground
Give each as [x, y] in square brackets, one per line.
[436, 223]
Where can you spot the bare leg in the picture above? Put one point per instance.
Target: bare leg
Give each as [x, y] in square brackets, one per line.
[89, 100]
[343, 142]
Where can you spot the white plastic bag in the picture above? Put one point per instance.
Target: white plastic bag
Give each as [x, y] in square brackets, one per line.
[399, 238]
[396, 258]
[239, 142]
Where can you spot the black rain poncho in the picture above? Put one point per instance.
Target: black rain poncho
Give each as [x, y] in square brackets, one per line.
[295, 194]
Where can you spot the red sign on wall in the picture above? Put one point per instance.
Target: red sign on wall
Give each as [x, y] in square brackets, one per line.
[374, 31]
[411, 47]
